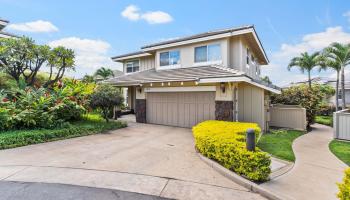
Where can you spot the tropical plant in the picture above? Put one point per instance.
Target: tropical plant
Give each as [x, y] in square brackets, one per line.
[104, 73]
[305, 62]
[340, 55]
[21, 58]
[105, 98]
[88, 79]
[266, 79]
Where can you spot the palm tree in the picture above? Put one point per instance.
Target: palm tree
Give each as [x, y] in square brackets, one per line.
[328, 62]
[305, 62]
[104, 73]
[340, 53]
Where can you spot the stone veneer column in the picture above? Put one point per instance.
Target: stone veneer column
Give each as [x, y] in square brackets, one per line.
[224, 110]
[140, 110]
[140, 105]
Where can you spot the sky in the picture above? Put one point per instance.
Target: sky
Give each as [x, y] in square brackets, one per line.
[98, 30]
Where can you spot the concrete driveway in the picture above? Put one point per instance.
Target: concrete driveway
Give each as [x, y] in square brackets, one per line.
[143, 158]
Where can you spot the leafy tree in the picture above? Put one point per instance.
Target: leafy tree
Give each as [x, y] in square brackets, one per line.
[305, 62]
[22, 59]
[327, 62]
[266, 79]
[60, 60]
[104, 73]
[88, 79]
[105, 98]
[340, 53]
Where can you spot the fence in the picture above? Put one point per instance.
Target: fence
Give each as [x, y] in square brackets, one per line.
[341, 124]
[288, 116]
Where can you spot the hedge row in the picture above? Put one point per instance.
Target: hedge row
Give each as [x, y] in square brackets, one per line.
[17, 138]
[224, 142]
[344, 187]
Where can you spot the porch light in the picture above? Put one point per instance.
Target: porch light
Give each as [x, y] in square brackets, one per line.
[222, 87]
[169, 83]
[196, 82]
[162, 84]
[151, 84]
[182, 83]
[139, 89]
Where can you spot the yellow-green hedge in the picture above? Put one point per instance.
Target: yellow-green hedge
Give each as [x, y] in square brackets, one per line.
[224, 142]
[344, 187]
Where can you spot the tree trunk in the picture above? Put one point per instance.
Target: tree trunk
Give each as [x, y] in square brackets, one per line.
[337, 93]
[309, 74]
[343, 87]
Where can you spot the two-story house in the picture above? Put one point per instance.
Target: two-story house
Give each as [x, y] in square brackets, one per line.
[212, 75]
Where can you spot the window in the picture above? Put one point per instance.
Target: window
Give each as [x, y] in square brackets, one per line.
[247, 57]
[339, 94]
[169, 58]
[132, 66]
[207, 53]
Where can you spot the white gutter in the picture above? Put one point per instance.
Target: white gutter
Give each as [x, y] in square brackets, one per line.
[239, 79]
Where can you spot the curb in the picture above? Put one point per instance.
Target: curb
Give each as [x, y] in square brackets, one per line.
[239, 180]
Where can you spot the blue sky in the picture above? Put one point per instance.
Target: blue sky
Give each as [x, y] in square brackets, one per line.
[97, 30]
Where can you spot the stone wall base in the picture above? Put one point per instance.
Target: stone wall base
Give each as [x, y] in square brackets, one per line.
[224, 110]
[140, 110]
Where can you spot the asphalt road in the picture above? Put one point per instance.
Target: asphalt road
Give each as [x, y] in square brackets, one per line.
[51, 191]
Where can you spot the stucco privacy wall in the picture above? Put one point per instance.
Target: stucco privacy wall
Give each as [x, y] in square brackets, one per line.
[251, 104]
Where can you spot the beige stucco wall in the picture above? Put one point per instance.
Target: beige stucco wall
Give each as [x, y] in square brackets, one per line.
[251, 104]
[187, 52]
[227, 95]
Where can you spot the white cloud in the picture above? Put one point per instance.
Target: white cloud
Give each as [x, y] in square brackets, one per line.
[89, 54]
[38, 26]
[157, 17]
[133, 13]
[277, 69]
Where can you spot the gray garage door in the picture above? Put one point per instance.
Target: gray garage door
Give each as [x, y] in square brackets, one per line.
[183, 109]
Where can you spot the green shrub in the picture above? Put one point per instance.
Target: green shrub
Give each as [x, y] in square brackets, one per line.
[309, 98]
[88, 126]
[224, 142]
[344, 187]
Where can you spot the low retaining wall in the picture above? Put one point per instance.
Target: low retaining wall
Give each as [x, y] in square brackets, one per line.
[341, 124]
[288, 116]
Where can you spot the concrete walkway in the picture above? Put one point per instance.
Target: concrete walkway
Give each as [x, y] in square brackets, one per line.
[316, 170]
[142, 158]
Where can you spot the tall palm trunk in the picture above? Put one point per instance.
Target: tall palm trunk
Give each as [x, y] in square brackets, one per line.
[309, 75]
[337, 93]
[343, 87]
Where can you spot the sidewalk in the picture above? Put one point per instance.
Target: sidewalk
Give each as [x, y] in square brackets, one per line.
[316, 170]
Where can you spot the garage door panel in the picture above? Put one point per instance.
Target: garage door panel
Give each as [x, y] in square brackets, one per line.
[184, 109]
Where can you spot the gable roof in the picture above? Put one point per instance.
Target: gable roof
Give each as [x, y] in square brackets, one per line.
[197, 38]
[205, 74]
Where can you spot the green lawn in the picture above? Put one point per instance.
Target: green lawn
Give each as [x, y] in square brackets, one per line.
[279, 143]
[341, 149]
[90, 124]
[325, 120]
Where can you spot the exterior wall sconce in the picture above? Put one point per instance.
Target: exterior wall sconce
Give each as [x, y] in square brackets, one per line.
[222, 87]
[168, 83]
[139, 89]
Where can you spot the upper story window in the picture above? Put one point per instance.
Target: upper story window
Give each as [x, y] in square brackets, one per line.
[169, 58]
[207, 53]
[132, 66]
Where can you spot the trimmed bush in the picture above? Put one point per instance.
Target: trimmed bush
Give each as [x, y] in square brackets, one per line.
[344, 187]
[90, 125]
[224, 142]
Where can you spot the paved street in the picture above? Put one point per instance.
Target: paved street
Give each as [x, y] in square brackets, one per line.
[51, 191]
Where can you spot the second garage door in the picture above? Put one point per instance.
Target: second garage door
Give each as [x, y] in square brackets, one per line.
[183, 109]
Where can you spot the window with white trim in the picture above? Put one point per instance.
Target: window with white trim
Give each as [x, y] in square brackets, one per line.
[132, 66]
[207, 53]
[169, 58]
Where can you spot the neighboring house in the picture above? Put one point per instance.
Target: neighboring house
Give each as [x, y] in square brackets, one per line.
[331, 82]
[212, 75]
[3, 34]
